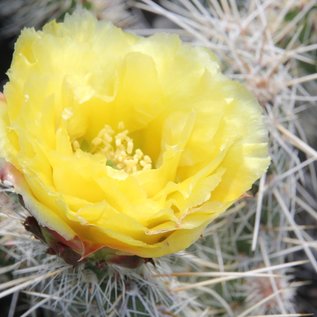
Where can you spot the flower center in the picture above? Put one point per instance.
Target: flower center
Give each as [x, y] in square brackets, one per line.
[119, 150]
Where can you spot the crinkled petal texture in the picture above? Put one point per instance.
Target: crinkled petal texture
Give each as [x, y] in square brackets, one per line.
[203, 134]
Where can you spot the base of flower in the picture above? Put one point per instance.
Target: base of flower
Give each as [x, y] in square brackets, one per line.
[48, 237]
[72, 251]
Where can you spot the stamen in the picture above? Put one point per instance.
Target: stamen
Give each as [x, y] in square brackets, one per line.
[119, 150]
[76, 145]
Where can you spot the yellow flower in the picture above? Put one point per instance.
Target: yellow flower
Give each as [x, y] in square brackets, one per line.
[125, 142]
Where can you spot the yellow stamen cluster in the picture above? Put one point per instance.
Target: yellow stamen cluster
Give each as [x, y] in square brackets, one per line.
[119, 150]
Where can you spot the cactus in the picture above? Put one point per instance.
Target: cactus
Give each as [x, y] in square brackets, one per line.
[245, 263]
